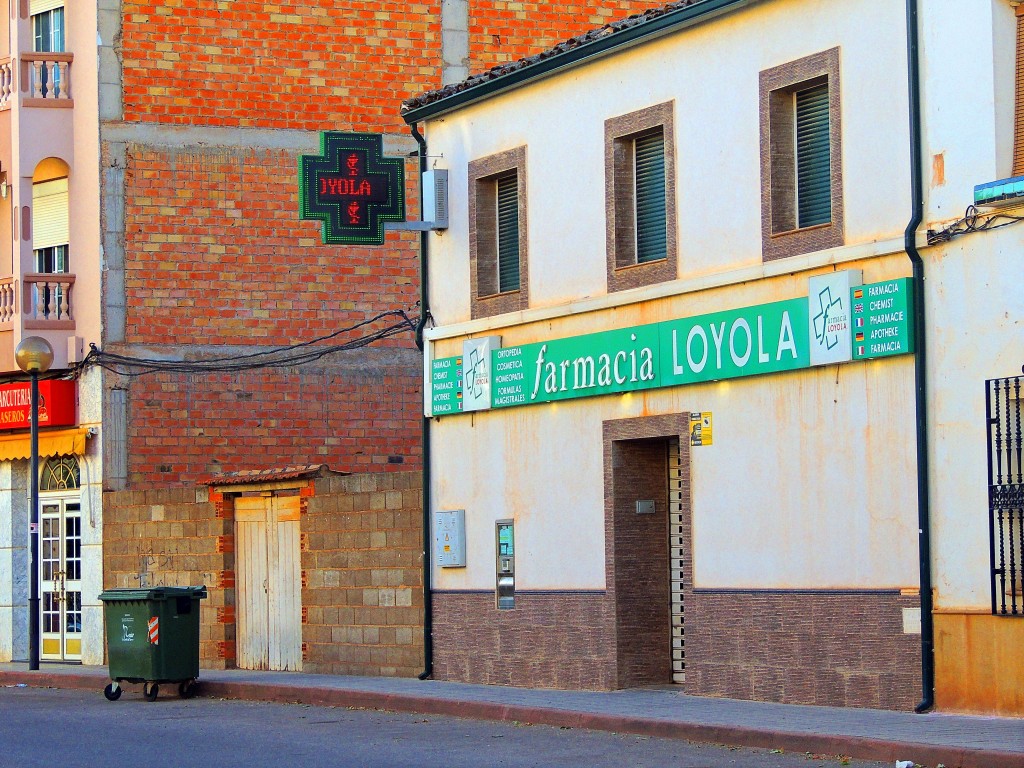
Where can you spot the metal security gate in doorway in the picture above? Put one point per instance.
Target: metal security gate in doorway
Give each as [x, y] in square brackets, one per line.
[1006, 494]
[677, 554]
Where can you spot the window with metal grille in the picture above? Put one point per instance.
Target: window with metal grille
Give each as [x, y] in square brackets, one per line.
[649, 159]
[508, 233]
[1006, 494]
[813, 157]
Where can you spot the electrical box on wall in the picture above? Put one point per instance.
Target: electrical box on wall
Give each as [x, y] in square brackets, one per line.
[450, 538]
[435, 197]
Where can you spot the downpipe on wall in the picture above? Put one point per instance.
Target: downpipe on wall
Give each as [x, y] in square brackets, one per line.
[920, 366]
[428, 607]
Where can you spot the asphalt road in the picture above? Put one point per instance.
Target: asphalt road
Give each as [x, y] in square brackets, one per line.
[66, 728]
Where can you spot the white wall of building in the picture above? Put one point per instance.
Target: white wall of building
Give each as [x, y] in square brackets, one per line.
[976, 323]
[811, 481]
[561, 121]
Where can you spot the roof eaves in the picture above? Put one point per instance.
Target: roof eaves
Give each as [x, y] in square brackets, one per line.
[573, 52]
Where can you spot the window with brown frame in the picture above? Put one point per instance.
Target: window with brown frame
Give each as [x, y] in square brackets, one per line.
[801, 157]
[640, 203]
[499, 279]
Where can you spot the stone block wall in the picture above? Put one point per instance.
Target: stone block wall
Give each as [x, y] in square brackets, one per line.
[361, 542]
[175, 537]
[362, 564]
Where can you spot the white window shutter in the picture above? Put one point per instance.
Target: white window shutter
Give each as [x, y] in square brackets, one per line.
[50, 214]
[41, 6]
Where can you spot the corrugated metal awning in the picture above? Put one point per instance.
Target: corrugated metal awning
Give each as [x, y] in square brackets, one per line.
[61, 442]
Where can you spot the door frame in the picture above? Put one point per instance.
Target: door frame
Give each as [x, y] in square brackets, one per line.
[67, 639]
[274, 641]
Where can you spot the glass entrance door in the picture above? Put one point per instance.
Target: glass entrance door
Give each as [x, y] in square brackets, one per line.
[60, 526]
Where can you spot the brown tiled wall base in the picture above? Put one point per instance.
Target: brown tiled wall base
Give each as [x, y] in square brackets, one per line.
[826, 648]
[549, 640]
[361, 557]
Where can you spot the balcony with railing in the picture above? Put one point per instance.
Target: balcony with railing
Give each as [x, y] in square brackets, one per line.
[45, 302]
[44, 80]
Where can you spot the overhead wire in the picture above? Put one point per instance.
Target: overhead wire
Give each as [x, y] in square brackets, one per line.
[292, 355]
[972, 221]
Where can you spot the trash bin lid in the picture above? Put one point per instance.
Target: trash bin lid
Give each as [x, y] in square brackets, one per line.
[153, 593]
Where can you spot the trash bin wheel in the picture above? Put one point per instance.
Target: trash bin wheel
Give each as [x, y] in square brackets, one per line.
[187, 689]
[112, 691]
[150, 691]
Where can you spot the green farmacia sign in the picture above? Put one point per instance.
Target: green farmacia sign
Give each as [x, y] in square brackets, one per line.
[767, 338]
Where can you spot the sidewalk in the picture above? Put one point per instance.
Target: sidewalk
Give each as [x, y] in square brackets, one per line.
[952, 740]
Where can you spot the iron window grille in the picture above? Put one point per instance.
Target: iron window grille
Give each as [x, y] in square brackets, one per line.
[1005, 495]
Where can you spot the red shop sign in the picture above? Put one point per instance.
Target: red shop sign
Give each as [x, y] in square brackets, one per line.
[58, 404]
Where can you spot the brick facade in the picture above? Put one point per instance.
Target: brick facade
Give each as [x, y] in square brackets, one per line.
[252, 64]
[549, 640]
[361, 415]
[204, 251]
[361, 554]
[825, 647]
[504, 30]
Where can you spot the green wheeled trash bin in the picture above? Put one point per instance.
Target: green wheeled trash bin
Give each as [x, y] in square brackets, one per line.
[152, 638]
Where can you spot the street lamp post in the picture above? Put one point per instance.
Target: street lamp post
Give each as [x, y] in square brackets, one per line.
[34, 356]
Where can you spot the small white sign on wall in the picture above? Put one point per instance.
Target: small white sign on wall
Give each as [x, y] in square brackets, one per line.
[829, 316]
[450, 538]
[476, 372]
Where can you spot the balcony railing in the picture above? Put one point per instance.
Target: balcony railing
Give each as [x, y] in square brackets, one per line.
[48, 76]
[8, 302]
[8, 89]
[47, 302]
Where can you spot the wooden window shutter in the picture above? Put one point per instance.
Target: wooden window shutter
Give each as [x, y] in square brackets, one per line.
[50, 214]
[651, 215]
[813, 157]
[1018, 109]
[508, 233]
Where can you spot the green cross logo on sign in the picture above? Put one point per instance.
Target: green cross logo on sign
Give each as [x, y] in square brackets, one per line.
[352, 188]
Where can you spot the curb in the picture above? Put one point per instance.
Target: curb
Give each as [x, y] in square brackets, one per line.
[861, 748]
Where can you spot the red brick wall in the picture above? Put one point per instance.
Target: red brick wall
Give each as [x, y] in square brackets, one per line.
[185, 428]
[306, 65]
[216, 254]
[505, 30]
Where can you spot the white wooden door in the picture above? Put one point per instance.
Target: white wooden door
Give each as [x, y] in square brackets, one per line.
[268, 582]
